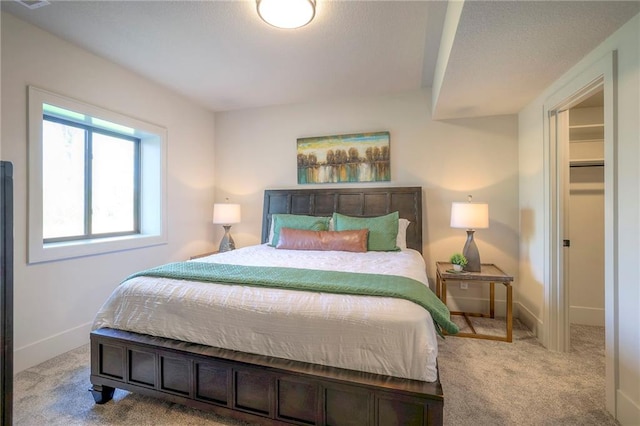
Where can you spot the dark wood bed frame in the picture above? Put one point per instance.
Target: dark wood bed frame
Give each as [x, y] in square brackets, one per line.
[264, 389]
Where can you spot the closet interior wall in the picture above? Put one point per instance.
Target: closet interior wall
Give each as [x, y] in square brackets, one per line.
[586, 215]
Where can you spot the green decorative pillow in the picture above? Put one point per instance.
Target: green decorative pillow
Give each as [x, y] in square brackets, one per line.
[383, 230]
[297, 221]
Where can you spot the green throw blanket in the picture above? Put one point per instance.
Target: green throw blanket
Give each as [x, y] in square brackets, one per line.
[311, 280]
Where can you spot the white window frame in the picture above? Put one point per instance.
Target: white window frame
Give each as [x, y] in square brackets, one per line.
[153, 185]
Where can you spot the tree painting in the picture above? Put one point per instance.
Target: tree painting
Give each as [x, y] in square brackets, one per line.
[362, 157]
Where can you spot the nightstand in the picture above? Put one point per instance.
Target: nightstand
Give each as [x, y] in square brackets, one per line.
[489, 273]
[197, 256]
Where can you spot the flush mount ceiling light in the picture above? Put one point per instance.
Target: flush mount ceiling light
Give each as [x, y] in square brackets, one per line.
[286, 13]
[33, 4]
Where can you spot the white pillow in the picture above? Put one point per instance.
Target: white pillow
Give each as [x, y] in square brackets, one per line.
[271, 231]
[401, 239]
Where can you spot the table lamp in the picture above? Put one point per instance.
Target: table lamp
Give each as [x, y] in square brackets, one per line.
[226, 214]
[470, 216]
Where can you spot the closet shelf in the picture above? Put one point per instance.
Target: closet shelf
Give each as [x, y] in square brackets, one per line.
[586, 132]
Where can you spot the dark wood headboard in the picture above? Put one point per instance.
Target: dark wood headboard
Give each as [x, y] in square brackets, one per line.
[359, 202]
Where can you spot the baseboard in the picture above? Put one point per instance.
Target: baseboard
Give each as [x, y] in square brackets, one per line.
[586, 316]
[45, 349]
[531, 321]
[628, 411]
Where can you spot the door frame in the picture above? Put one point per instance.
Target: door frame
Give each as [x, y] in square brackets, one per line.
[555, 335]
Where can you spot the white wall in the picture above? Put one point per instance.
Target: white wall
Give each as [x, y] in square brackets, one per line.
[627, 211]
[55, 302]
[256, 150]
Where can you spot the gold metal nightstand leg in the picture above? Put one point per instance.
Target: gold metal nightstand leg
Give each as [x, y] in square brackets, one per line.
[443, 291]
[492, 299]
[509, 312]
[468, 320]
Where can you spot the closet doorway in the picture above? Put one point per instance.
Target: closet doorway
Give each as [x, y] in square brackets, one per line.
[598, 77]
[585, 215]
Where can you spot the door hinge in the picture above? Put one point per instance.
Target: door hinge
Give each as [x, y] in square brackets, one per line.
[566, 243]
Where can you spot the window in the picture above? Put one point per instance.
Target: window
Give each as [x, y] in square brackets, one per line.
[96, 180]
[90, 181]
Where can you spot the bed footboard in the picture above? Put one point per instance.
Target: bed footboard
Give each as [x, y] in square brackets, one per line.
[256, 388]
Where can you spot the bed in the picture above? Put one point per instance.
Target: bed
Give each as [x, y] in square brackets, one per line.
[257, 371]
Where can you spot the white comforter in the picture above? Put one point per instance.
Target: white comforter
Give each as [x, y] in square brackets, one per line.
[380, 335]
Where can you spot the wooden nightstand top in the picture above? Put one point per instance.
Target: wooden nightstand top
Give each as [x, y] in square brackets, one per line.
[489, 272]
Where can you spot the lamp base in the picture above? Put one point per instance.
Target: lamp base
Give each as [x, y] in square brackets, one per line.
[227, 243]
[470, 251]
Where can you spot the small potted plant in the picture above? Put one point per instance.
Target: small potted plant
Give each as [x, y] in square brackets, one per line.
[459, 261]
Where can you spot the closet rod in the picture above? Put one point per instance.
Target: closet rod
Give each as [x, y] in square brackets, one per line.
[587, 163]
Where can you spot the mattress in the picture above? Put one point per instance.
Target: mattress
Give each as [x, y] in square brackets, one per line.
[389, 336]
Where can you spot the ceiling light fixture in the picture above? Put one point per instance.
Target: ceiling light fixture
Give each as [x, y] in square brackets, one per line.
[33, 4]
[286, 14]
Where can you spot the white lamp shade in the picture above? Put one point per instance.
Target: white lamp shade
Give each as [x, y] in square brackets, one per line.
[226, 214]
[287, 13]
[469, 215]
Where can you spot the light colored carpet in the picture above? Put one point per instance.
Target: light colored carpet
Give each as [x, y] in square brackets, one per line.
[522, 383]
[485, 383]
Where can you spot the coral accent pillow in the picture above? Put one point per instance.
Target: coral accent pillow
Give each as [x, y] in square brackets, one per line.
[300, 239]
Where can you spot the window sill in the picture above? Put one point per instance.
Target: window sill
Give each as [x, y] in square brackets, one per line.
[73, 249]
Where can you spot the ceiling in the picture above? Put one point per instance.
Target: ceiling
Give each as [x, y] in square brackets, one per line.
[221, 55]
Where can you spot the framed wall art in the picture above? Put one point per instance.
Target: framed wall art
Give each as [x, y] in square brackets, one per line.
[360, 157]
